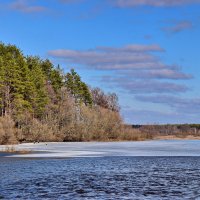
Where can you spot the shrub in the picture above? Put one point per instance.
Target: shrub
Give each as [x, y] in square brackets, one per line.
[8, 132]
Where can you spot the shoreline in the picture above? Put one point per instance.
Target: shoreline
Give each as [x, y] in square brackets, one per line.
[175, 147]
[11, 148]
[156, 138]
[172, 137]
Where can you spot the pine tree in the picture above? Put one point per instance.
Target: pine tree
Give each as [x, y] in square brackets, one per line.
[78, 89]
[15, 82]
[53, 75]
[40, 98]
[56, 79]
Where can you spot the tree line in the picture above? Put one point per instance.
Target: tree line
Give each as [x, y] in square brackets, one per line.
[40, 102]
[175, 130]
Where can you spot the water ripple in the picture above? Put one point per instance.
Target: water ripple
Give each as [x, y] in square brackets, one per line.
[100, 178]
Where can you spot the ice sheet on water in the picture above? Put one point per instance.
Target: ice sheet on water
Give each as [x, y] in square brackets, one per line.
[96, 149]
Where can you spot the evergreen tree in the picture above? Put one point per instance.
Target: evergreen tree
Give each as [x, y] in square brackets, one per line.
[54, 76]
[40, 98]
[56, 79]
[15, 83]
[78, 89]
[1, 85]
[47, 68]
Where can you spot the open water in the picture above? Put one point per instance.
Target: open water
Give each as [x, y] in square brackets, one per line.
[102, 177]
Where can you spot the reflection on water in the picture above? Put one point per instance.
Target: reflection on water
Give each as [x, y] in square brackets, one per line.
[100, 178]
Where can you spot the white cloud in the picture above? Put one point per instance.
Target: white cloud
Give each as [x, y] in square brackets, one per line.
[155, 3]
[24, 6]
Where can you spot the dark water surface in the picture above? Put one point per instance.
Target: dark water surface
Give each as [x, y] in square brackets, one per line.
[100, 178]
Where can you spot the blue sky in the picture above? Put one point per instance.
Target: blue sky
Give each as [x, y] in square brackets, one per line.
[147, 51]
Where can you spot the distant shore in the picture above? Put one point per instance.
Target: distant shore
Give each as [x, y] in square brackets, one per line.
[174, 137]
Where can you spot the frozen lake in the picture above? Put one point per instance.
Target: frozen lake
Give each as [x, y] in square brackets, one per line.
[96, 149]
[150, 170]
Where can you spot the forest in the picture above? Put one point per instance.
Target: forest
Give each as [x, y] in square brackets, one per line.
[40, 102]
[170, 131]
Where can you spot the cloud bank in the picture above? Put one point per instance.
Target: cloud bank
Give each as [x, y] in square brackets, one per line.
[154, 3]
[25, 7]
[137, 68]
[178, 27]
[132, 86]
[182, 105]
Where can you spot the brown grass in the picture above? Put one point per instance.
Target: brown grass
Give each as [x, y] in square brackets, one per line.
[12, 149]
[8, 132]
[174, 137]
